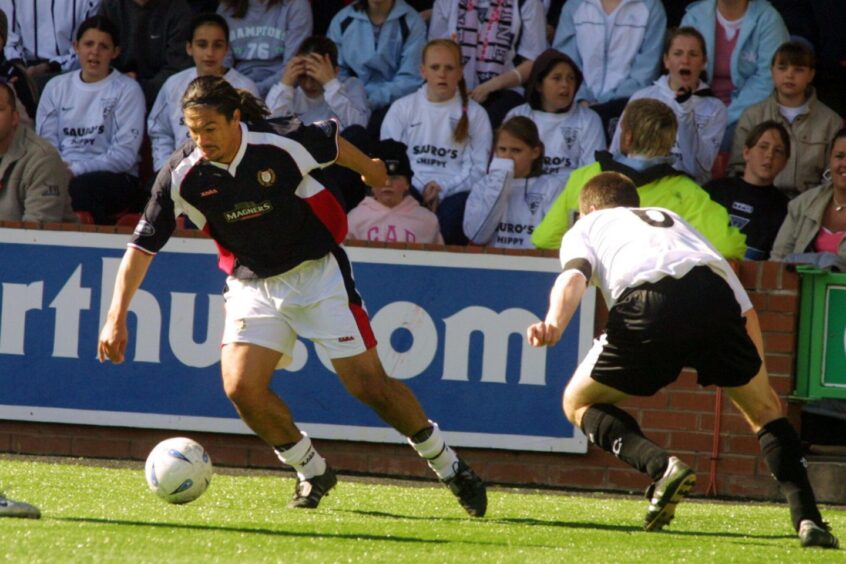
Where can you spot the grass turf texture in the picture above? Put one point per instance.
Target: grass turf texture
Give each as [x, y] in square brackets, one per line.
[96, 514]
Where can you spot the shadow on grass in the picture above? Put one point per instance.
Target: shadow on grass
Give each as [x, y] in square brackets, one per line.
[574, 525]
[249, 530]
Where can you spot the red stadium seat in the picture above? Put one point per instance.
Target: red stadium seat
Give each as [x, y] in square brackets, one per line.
[85, 217]
[720, 166]
[128, 219]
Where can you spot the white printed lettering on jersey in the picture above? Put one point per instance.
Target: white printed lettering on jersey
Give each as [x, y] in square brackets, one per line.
[741, 207]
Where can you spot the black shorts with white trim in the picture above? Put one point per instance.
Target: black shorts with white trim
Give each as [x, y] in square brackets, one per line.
[656, 329]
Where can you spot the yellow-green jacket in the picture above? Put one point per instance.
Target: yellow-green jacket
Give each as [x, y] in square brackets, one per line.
[658, 186]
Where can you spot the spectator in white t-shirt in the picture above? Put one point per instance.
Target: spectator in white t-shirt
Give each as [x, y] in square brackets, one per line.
[448, 137]
[208, 44]
[95, 118]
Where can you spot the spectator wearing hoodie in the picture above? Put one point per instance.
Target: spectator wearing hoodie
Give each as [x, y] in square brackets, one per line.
[571, 133]
[154, 33]
[742, 36]
[380, 42]
[264, 35]
[391, 214]
[617, 44]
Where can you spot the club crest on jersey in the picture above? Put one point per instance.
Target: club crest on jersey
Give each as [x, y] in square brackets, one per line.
[569, 134]
[266, 177]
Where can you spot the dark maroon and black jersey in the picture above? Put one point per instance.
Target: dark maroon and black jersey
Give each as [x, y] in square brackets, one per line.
[264, 210]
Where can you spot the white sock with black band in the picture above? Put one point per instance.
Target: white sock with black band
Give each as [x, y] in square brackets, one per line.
[437, 453]
[303, 458]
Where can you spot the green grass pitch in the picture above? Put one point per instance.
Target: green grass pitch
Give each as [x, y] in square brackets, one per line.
[97, 514]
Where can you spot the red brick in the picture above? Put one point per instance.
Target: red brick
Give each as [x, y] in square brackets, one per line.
[759, 301]
[780, 342]
[783, 302]
[692, 401]
[631, 480]
[669, 420]
[783, 385]
[100, 448]
[262, 457]
[516, 473]
[789, 280]
[736, 443]
[777, 322]
[690, 441]
[396, 466]
[770, 275]
[779, 364]
[227, 456]
[749, 274]
[576, 477]
[658, 401]
[731, 422]
[31, 444]
[741, 465]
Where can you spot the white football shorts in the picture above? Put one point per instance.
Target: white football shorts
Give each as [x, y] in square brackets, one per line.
[316, 300]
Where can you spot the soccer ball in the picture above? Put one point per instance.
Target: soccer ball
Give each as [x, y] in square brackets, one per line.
[178, 470]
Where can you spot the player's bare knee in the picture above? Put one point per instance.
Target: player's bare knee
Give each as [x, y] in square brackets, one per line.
[573, 410]
[240, 390]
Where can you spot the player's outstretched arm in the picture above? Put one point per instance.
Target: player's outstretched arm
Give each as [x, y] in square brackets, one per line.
[114, 335]
[564, 299]
[372, 171]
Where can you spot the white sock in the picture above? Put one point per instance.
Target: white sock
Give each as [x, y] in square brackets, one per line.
[437, 453]
[303, 458]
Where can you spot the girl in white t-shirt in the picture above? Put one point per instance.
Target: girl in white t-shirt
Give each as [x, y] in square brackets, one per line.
[95, 118]
[507, 204]
[571, 133]
[447, 134]
[208, 45]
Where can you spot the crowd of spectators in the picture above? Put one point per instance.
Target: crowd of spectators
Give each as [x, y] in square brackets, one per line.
[491, 114]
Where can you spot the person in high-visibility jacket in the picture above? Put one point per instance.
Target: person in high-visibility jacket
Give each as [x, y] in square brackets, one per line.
[648, 130]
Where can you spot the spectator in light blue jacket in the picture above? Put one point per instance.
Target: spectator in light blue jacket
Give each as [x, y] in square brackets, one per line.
[380, 42]
[761, 31]
[619, 51]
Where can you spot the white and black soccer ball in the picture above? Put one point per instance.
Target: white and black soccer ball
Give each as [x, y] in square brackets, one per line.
[178, 470]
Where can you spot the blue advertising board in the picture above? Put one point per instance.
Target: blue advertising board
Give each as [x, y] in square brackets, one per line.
[450, 325]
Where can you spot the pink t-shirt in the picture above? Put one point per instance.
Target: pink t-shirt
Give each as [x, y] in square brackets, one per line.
[721, 83]
[408, 222]
[828, 241]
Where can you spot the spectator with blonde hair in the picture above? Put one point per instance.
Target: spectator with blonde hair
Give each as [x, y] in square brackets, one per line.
[448, 136]
[648, 132]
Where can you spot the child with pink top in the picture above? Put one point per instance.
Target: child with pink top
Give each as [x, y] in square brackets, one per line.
[391, 214]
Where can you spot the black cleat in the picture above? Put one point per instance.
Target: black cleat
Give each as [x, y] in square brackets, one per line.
[666, 493]
[9, 508]
[811, 534]
[469, 489]
[308, 493]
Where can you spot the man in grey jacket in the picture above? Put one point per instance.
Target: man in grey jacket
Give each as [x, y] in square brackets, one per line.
[33, 178]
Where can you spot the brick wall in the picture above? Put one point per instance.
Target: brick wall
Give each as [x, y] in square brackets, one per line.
[681, 418]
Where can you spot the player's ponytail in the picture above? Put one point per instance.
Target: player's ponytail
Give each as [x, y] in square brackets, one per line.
[462, 128]
[252, 108]
[216, 92]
